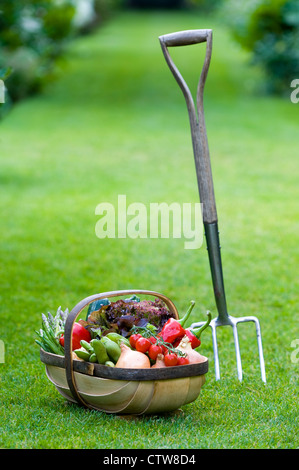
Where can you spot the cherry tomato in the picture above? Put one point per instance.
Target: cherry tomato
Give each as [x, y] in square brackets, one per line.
[170, 359]
[154, 350]
[182, 360]
[133, 338]
[152, 339]
[142, 344]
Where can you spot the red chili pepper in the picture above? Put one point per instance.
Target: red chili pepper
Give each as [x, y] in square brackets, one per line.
[173, 329]
[195, 342]
[79, 333]
[194, 333]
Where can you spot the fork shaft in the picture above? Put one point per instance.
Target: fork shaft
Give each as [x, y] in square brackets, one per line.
[213, 246]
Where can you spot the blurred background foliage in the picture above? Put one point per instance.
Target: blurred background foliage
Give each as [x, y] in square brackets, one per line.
[269, 29]
[34, 34]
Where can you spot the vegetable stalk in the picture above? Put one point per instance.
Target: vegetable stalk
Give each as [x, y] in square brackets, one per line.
[195, 333]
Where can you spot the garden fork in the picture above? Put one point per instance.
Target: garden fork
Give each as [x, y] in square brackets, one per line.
[206, 192]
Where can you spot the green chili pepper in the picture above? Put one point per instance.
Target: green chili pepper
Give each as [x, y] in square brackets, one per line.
[87, 346]
[82, 354]
[117, 338]
[93, 357]
[112, 348]
[109, 364]
[100, 351]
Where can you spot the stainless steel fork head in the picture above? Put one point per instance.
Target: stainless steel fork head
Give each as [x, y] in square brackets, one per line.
[233, 322]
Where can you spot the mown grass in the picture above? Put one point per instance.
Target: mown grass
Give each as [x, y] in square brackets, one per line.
[115, 123]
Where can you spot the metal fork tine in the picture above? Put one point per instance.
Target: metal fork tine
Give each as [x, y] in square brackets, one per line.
[237, 349]
[233, 323]
[255, 320]
[260, 348]
[215, 348]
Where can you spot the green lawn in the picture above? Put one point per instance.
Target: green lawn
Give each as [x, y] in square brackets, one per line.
[115, 122]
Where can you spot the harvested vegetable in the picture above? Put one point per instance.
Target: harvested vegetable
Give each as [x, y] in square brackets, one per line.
[154, 350]
[143, 344]
[79, 333]
[93, 357]
[104, 339]
[192, 355]
[157, 345]
[133, 339]
[82, 354]
[87, 346]
[100, 351]
[51, 330]
[195, 333]
[130, 359]
[118, 339]
[112, 348]
[174, 329]
[120, 316]
[109, 364]
[170, 359]
[182, 360]
[159, 362]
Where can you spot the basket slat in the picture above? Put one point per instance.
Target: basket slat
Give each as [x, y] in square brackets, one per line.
[116, 373]
[141, 399]
[168, 395]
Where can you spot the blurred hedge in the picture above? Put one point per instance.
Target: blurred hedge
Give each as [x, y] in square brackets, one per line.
[269, 29]
[34, 33]
[203, 5]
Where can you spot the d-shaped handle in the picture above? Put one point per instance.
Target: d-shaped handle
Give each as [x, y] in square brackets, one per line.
[185, 38]
[196, 114]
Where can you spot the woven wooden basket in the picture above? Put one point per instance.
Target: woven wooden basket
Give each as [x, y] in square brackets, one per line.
[117, 390]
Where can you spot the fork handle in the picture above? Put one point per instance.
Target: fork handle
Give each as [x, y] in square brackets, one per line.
[185, 38]
[196, 114]
[201, 154]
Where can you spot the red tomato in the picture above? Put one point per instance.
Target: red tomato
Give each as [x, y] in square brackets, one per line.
[154, 350]
[170, 359]
[142, 344]
[182, 360]
[133, 339]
